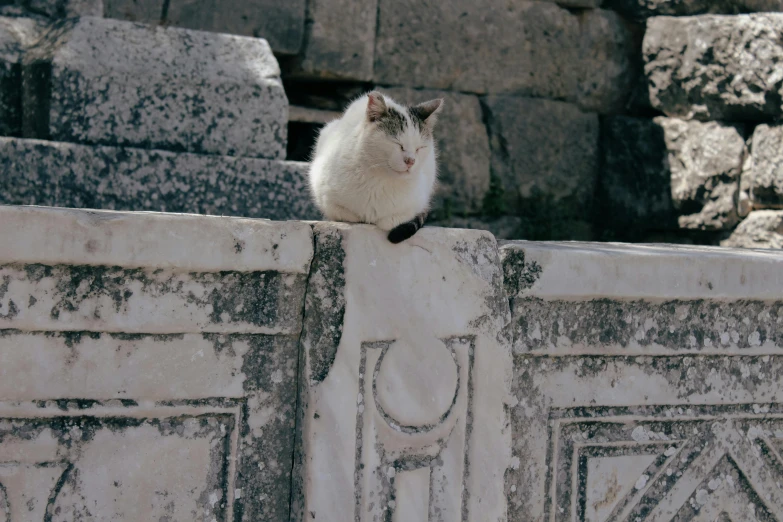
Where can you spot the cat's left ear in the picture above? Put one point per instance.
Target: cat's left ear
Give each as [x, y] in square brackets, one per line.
[428, 110]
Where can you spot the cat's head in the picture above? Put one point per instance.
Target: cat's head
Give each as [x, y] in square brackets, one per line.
[400, 135]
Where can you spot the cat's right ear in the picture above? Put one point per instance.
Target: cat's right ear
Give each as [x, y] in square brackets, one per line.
[376, 106]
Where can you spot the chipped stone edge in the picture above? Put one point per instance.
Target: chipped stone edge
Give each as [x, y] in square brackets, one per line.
[577, 271]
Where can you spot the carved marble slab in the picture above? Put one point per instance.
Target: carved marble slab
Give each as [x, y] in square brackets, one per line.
[405, 379]
[148, 365]
[647, 383]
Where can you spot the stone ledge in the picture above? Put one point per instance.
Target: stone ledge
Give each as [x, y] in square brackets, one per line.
[102, 81]
[117, 178]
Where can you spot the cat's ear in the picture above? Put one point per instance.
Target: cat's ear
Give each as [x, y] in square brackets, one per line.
[376, 106]
[428, 110]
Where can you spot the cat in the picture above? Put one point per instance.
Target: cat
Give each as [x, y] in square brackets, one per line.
[378, 164]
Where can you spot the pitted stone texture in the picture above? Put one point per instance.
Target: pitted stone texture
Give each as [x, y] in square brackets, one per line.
[406, 413]
[527, 48]
[762, 179]
[668, 173]
[761, 229]
[144, 11]
[716, 67]
[16, 35]
[641, 378]
[101, 81]
[463, 150]
[544, 157]
[282, 24]
[646, 8]
[177, 380]
[339, 40]
[114, 178]
[577, 3]
[609, 61]
[705, 161]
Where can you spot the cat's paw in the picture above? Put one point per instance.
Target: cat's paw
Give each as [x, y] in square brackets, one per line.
[402, 232]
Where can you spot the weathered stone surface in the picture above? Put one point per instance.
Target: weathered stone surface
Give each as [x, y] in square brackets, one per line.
[705, 161]
[716, 67]
[114, 178]
[149, 363]
[403, 407]
[609, 61]
[527, 48]
[102, 81]
[145, 11]
[761, 229]
[463, 147]
[577, 3]
[16, 34]
[339, 40]
[646, 8]
[282, 24]
[762, 179]
[645, 384]
[544, 160]
[668, 173]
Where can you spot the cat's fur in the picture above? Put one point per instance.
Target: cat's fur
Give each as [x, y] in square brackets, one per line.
[359, 172]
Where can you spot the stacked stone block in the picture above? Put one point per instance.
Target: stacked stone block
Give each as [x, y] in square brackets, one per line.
[129, 116]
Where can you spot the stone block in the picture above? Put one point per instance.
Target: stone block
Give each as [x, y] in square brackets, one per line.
[762, 179]
[149, 364]
[339, 41]
[102, 81]
[705, 161]
[282, 24]
[641, 9]
[16, 35]
[463, 147]
[645, 383]
[544, 159]
[527, 48]
[113, 178]
[402, 404]
[502, 227]
[609, 62]
[761, 229]
[144, 11]
[716, 67]
[666, 173]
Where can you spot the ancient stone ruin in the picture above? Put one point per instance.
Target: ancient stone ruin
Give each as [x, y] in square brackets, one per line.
[167, 355]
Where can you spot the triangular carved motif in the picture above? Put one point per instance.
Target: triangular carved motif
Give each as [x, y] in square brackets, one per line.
[610, 480]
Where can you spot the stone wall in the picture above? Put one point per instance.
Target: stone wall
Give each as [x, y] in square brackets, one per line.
[631, 120]
[182, 367]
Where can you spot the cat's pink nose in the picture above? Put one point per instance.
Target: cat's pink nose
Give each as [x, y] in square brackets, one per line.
[410, 161]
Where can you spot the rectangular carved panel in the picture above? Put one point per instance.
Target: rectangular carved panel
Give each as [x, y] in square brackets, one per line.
[404, 379]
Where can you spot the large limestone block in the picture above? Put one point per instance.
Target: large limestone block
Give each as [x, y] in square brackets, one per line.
[115, 178]
[762, 179]
[149, 364]
[282, 24]
[609, 61]
[646, 8]
[16, 35]
[527, 48]
[339, 41]
[716, 67]
[405, 368]
[668, 173]
[544, 157]
[463, 149]
[102, 81]
[761, 229]
[646, 382]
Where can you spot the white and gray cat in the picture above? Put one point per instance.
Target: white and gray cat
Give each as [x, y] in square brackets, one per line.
[378, 164]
